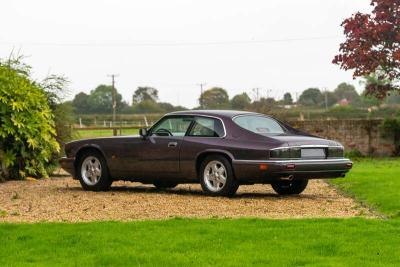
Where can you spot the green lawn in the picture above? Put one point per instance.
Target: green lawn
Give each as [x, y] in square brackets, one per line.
[375, 182]
[182, 242]
[83, 134]
[225, 242]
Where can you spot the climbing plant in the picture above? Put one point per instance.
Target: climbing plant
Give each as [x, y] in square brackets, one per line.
[391, 127]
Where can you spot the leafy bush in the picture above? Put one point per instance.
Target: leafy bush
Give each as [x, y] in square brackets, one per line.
[354, 154]
[27, 130]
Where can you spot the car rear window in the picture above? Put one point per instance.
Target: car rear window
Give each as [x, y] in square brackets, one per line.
[259, 124]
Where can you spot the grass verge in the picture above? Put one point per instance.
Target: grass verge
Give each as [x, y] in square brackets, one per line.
[376, 183]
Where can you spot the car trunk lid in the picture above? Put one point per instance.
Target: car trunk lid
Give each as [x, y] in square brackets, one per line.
[295, 140]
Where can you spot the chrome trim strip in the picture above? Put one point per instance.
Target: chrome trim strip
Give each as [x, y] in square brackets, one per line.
[255, 114]
[306, 146]
[342, 160]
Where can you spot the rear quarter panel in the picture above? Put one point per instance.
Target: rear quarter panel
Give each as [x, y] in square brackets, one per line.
[236, 145]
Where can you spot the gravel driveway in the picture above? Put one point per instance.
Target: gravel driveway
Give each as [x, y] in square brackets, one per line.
[62, 199]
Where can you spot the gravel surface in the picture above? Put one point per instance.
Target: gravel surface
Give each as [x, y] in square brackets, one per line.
[62, 199]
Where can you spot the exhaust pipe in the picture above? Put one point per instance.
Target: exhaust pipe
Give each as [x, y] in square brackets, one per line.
[287, 178]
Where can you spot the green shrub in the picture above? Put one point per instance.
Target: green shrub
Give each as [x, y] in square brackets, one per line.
[391, 127]
[27, 131]
[354, 154]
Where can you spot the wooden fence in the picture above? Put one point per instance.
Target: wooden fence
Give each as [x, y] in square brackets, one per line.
[117, 130]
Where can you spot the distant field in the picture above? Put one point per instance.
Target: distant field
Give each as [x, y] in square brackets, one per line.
[83, 134]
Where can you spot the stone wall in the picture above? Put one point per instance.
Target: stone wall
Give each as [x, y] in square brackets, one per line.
[363, 135]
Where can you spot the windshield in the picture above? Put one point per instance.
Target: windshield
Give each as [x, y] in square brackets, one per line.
[259, 124]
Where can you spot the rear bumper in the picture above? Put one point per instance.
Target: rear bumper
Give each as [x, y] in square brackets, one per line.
[269, 170]
[68, 165]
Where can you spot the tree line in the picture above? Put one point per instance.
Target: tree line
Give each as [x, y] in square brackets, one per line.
[145, 100]
[99, 101]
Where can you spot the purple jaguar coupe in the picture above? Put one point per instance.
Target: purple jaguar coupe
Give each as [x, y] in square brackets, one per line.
[218, 149]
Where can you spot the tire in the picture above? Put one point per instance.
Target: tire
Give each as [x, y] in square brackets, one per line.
[219, 181]
[92, 172]
[164, 184]
[294, 187]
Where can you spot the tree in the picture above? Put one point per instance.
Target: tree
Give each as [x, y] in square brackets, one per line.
[287, 99]
[348, 91]
[80, 103]
[64, 119]
[147, 106]
[55, 88]
[167, 107]
[264, 105]
[214, 98]
[145, 94]
[311, 97]
[331, 99]
[100, 99]
[367, 99]
[241, 101]
[393, 98]
[27, 130]
[372, 46]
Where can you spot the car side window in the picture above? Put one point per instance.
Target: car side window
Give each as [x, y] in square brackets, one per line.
[207, 127]
[175, 126]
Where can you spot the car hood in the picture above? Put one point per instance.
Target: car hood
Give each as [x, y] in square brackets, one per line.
[298, 140]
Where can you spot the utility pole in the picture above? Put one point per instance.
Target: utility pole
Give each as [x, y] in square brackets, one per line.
[257, 93]
[201, 94]
[114, 101]
[268, 92]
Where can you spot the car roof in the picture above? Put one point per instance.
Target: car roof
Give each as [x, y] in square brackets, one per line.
[215, 113]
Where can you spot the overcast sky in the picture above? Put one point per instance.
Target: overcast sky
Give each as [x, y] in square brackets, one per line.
[277, 45]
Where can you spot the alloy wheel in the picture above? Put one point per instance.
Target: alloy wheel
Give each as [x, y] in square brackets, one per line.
[215, 175]
[91, 170]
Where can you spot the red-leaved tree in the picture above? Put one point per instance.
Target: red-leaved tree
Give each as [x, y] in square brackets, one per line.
[372, 47]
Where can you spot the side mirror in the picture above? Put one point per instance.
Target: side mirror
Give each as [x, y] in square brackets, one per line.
[143, 132]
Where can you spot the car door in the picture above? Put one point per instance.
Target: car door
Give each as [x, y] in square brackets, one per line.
[205, 134]
[160, 151]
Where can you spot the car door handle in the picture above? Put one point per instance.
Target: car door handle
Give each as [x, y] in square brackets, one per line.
[172, 144]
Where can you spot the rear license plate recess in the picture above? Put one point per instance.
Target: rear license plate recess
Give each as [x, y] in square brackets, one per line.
[314, 153]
